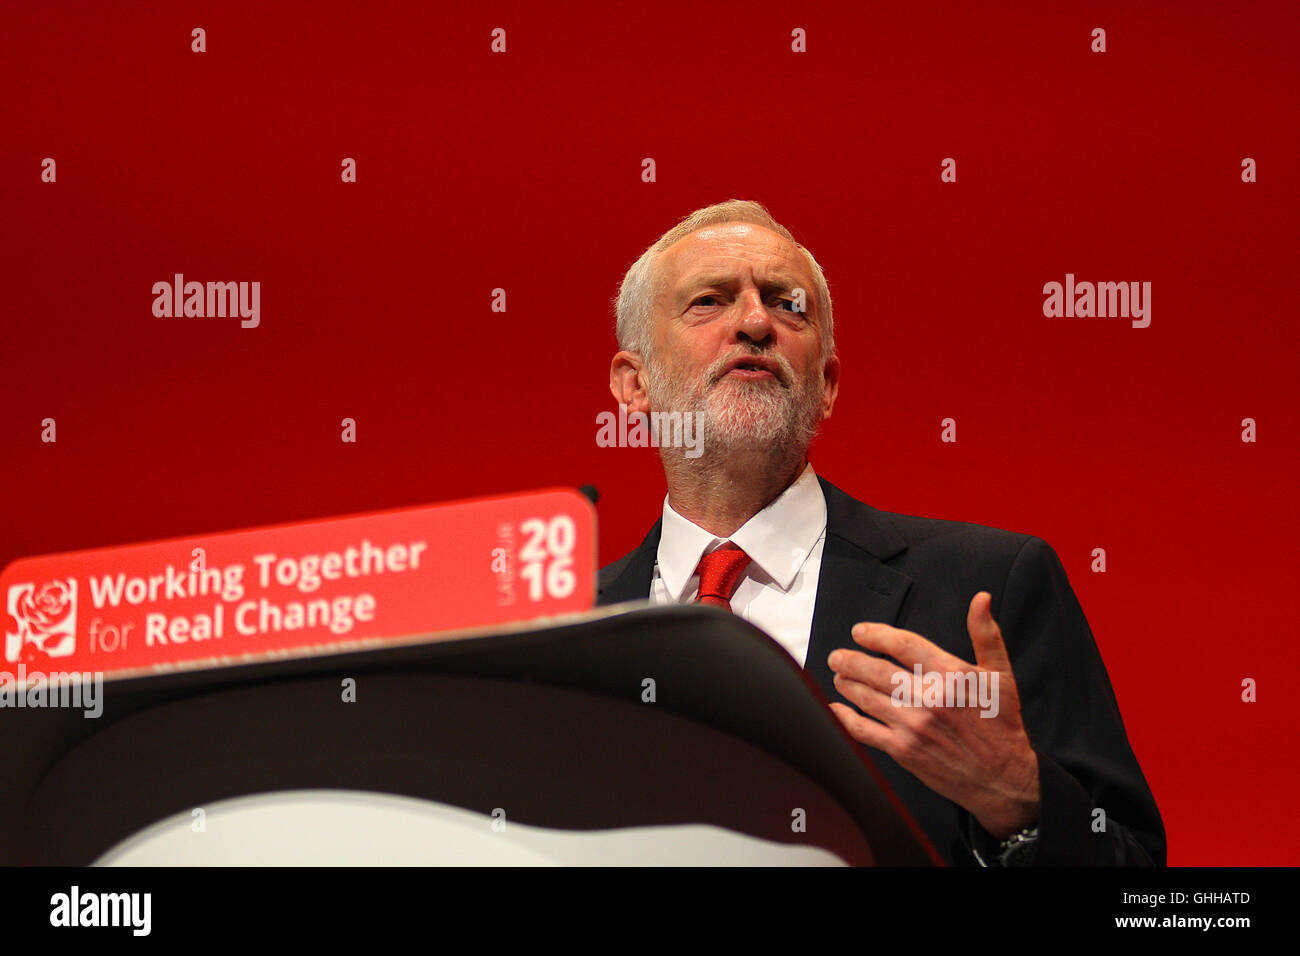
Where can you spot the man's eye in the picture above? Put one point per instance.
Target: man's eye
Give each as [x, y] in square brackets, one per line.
[785, 304]
[705, 300]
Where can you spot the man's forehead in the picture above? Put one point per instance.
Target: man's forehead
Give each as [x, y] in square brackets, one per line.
[731, 247]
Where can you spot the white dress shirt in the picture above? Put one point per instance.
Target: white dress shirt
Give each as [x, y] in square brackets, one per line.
[779, 588]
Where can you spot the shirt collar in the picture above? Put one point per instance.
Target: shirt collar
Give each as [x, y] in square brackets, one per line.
[778, 539]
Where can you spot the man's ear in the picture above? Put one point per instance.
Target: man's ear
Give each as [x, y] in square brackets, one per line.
[831, 371]
[627, 381]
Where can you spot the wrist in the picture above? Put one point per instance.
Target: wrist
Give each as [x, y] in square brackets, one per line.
[1002, 825]
[1015, 811]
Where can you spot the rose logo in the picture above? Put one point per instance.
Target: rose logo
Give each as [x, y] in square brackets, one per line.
[46, 618]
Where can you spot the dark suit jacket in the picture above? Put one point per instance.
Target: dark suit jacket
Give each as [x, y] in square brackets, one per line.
[920, 574]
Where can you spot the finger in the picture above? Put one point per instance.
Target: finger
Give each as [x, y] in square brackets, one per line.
[865, 669]
[862, 729]
[910, 645]
[872, 702]
[909, 720]
[985, 635]
[906, 647]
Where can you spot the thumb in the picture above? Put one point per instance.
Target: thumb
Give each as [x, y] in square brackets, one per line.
[985, 635]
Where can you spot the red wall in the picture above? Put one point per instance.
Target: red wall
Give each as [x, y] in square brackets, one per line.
[522, 171]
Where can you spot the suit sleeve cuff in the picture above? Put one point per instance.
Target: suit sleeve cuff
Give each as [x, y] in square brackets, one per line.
[1065, 813]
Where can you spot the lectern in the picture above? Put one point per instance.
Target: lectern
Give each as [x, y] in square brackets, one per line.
[628, 735]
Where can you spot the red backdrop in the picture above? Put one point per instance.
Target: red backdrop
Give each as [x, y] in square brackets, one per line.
[522, 171]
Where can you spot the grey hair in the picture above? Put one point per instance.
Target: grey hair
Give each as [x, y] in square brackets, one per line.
[634, 304]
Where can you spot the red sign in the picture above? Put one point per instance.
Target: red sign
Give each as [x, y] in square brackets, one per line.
[341, 584]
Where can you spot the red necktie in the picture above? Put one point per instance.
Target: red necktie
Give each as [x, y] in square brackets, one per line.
[720, 571]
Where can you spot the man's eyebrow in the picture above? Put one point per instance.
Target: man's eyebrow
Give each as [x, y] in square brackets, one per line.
[778, 283]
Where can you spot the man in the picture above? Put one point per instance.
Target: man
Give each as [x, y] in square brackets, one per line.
[727, 316]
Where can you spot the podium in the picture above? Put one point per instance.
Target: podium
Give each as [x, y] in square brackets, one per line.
[628, 735]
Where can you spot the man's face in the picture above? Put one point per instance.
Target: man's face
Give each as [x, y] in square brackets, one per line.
[727, 340]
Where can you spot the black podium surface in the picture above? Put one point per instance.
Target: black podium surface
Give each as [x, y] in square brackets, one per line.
[624, 717]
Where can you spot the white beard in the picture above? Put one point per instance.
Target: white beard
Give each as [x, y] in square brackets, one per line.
[740, 414]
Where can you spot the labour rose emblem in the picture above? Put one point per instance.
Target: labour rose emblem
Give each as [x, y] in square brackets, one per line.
[46, 619]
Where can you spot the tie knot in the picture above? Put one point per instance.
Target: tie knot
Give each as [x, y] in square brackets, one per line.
[720, 571]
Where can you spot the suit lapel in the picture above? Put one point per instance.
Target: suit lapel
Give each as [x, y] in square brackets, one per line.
[853, 584]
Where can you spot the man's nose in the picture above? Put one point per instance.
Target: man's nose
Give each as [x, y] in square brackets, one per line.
[753, 321]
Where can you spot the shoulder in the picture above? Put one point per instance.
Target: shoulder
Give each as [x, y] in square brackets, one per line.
[915, 538]
[945, 561]
[922, 532]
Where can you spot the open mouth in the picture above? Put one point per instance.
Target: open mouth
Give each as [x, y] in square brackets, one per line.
[751, 371]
